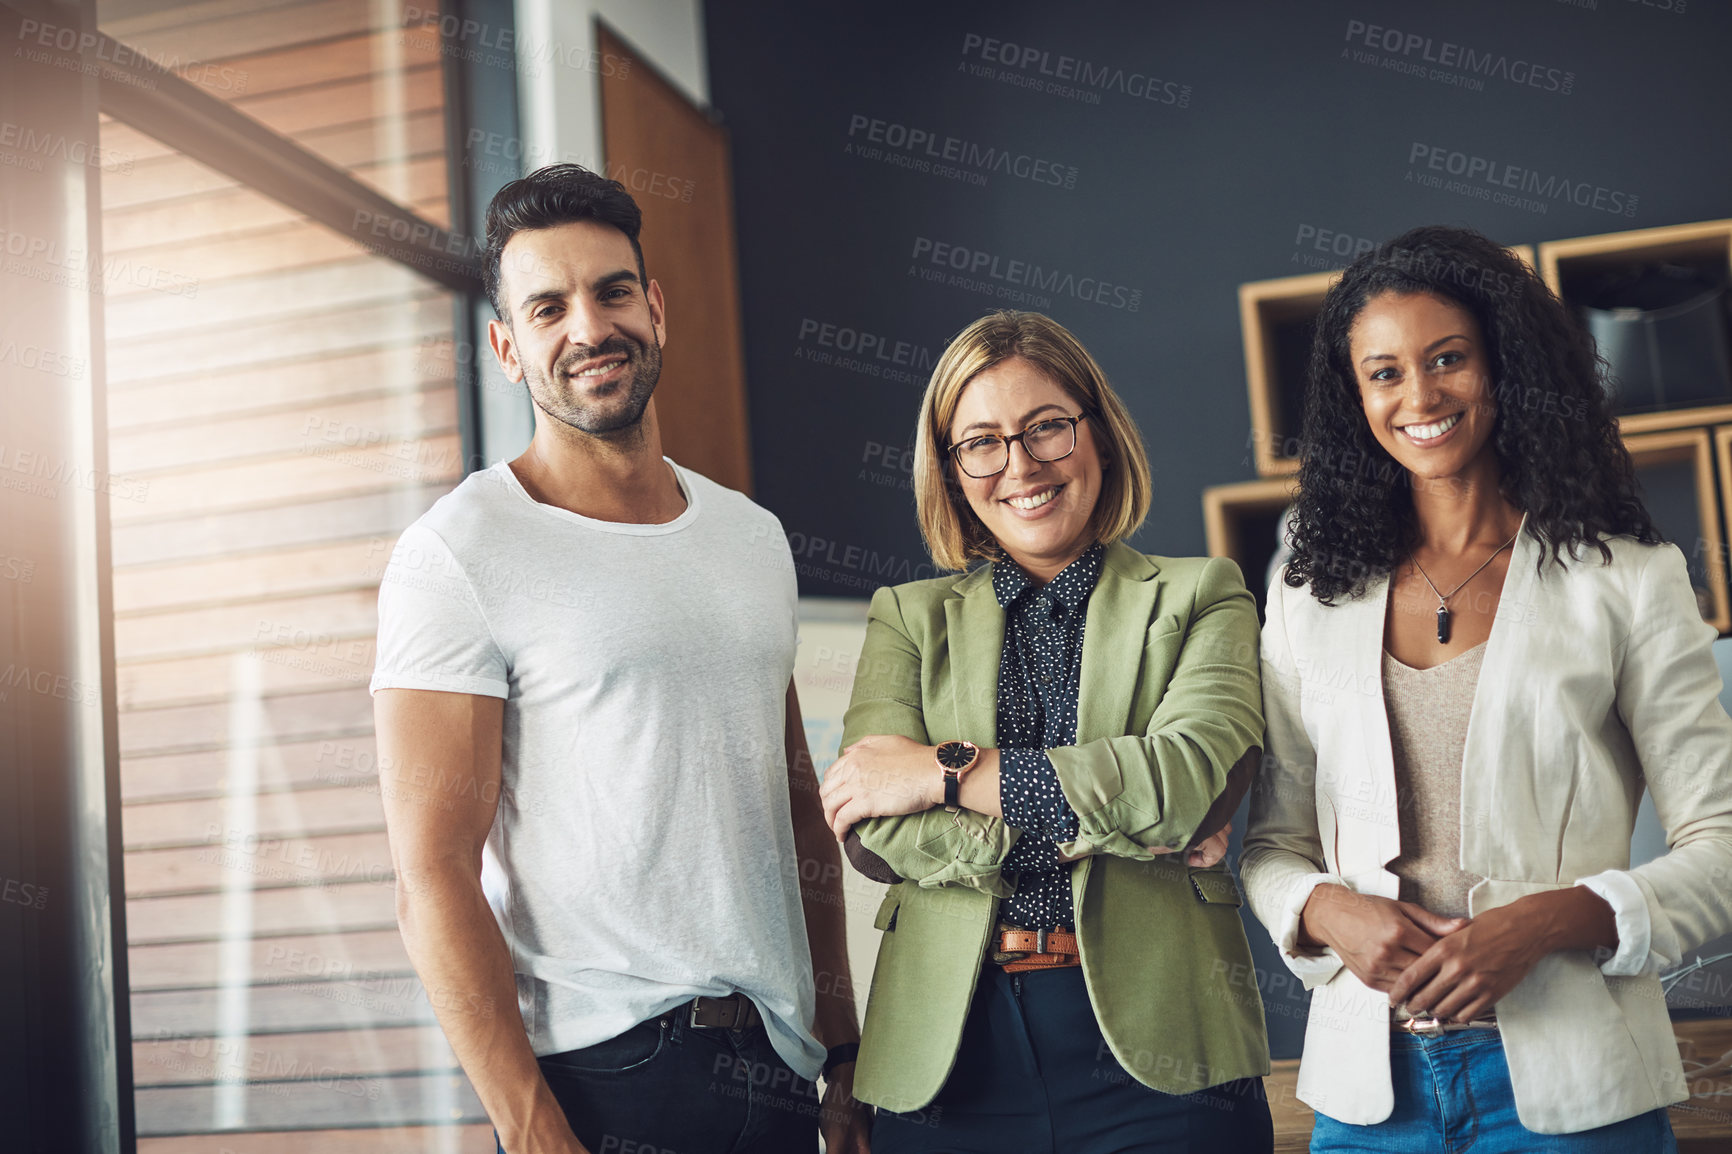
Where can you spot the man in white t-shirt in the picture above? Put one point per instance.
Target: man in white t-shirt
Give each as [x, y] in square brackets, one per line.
[596, 784]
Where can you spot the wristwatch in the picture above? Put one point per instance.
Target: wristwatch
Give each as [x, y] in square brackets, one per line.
[955, 758]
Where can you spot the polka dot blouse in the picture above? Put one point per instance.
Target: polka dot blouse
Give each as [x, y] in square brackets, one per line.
[1039, 675]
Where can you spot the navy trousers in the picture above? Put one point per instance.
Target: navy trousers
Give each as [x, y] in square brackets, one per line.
[1034, 1075]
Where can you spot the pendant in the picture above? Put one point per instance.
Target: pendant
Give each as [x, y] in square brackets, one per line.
[1443, 625]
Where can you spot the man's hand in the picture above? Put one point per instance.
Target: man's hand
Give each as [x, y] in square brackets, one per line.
[844, 1121]
[880, 776]
[1375, 938]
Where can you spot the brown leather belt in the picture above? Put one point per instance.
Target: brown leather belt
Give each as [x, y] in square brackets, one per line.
[734, 1012]
[1021, 950]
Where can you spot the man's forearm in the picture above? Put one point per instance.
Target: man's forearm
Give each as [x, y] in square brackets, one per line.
[821, 896]
[819, 870]
[457, 950]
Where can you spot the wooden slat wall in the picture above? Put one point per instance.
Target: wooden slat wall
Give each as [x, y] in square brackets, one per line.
[280, 407]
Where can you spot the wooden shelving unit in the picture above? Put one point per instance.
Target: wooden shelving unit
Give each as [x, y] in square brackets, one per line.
[1699, 531]
[1276, 321]
[1565, 264]
[1243, 521]
[1723, 456]
[1708, 240]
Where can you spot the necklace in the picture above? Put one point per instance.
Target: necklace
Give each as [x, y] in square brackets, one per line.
[1443, 598]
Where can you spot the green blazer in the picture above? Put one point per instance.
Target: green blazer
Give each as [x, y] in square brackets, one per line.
[1170, 701]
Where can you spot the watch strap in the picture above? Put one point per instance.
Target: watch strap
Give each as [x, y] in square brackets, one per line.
[839, 1056]
[952, 774]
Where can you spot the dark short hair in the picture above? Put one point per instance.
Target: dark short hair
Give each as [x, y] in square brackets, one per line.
[554, 195]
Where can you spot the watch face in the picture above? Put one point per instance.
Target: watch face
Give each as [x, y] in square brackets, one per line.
[956, 754]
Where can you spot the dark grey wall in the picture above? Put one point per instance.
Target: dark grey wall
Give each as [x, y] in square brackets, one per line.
[1269, 131]
[1209, 144]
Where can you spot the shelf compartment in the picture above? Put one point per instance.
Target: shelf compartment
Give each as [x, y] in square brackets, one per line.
[1570, 266]
[1676, 472]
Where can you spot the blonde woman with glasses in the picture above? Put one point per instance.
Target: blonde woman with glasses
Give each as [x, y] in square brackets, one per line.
[1041, 754]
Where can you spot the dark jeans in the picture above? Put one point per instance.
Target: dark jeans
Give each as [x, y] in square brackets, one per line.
[666, 1087]
[1033, 1074]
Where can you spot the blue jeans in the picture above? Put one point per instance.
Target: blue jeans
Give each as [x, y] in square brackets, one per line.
[1452, 1094]
[665, 1086]
[1034, 1076]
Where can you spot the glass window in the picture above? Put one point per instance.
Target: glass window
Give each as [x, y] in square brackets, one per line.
[357, 82]
[281, 404]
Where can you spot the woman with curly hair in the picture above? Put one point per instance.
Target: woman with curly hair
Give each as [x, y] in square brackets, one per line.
[1478, 656]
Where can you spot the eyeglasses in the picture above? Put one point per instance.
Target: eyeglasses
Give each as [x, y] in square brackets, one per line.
[1051, 439]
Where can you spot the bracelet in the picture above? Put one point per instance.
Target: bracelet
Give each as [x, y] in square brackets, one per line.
[839, 1056]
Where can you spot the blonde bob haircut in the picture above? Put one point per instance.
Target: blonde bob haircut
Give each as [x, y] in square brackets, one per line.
[954, 535]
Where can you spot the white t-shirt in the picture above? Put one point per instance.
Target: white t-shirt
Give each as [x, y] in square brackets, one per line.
[642, 853]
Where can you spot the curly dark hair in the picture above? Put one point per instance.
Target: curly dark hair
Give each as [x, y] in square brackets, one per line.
[1558, 451]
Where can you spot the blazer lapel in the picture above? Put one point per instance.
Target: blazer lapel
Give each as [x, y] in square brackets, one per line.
[1362, 624]
[1499, 673]
[974, 628]
[1119, 613]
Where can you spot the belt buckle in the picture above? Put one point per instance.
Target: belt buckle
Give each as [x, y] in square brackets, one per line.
[697, 1007]
[1040, 941]
[731, 1012]
[1424, 1027]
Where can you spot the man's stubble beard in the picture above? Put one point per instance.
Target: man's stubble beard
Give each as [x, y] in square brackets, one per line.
[615, 417]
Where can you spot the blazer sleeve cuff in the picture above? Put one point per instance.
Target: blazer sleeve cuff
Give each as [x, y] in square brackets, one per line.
[1636, 952]
[1312, 968]
[937, 848]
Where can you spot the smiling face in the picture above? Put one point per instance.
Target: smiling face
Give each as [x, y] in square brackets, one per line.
[1425, 383]
[585, 332]
[1038, 511]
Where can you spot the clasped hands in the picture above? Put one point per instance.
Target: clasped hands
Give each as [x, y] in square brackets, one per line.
[887, 775]
[1453, 969]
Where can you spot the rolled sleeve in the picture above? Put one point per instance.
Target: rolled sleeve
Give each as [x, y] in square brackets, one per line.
[1669, 699]
[1636, 953]
[932, 848]
[937, 848]
[1312, 968]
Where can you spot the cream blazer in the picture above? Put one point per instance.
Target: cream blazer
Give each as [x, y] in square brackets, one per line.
[1597, 679]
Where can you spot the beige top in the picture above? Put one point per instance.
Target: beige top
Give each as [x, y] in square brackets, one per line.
[1428, 715]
